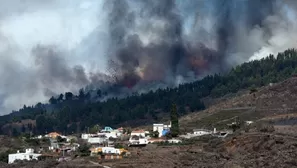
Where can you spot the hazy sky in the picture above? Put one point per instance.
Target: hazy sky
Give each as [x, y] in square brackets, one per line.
[71, 25]
[64, 23]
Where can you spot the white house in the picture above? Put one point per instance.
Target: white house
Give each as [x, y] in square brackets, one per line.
[108, 134]
[138, 133]
[174, 141]
[138, 141]
[249, 122]
[200, 132]
[86, 136]
[97, 139]
[109, 129]
[110, 150]
[107, 150]
[28, 155]
[138, 138]
[160, 128]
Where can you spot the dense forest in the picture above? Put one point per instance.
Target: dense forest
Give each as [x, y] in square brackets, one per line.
[70, 113]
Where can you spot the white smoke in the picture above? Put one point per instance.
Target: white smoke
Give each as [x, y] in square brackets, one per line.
[283, 27]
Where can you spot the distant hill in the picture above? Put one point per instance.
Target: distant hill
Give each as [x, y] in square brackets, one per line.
[74, 113]
[275, 102]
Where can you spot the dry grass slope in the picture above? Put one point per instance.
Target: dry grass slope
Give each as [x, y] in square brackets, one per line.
[268, 101]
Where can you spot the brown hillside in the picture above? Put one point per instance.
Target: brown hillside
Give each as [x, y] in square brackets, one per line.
[273, 100]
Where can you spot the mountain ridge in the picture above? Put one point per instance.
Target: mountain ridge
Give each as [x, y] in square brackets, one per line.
[73, 113]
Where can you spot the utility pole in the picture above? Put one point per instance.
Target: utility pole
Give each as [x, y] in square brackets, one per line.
[63, 152]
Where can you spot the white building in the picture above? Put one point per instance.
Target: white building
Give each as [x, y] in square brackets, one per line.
[174, 141]
[86, 136]
[112, 150]
[138, 138]
[137, 141]
[112, 134]
[200, 132]
[138, 133]
[249, 122]
[28, 155]
[107, 150]
[160, 128]
[97, 139]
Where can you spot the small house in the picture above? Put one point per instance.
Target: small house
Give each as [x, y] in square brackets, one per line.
[107, 129]
[28, 155]
[160, 129]
[53, 135]
[200, 132]
[140, 133]
[174, 141]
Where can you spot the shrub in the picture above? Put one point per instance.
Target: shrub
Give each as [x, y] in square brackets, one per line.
[84, 150]
[119, 146]
[265, 127]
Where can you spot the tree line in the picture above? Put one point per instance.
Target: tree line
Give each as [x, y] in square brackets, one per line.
[69, 113]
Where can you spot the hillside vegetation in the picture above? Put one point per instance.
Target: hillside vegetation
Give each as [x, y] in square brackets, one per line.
[74, 113]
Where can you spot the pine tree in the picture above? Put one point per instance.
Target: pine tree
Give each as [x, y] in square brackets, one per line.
[174, 121]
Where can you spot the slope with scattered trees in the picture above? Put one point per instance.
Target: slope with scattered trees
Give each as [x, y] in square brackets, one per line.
[70, 113]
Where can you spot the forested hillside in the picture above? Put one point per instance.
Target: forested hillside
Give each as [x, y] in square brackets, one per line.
[74, 113]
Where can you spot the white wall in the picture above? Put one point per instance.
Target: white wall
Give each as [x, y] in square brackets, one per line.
[107, 150]
[141, 141]
[22, 156]
[93, 140]
[159, 128]
[201, 132]
[174, 141]
[85, 136]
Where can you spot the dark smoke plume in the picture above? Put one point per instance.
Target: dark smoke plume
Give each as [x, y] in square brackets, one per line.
[148, 43]
[126, 46]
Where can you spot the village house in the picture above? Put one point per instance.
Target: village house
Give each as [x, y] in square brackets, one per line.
[107, 129]
[138, 141]
[162, 129]
[138, 133]
[107, 150]
[108, 153]
[113, 134]
[174, 141]
[121, 130]
[53, 135]
[249, 122]
[28, 155]
[87, 136]
[200, 132]
[138, 138]
[97, 139]
[106, 132]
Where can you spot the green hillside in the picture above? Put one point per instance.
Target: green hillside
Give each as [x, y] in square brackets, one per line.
[74, 113]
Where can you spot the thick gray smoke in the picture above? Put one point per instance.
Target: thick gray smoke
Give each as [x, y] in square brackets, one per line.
[154, 41]
[51, 47]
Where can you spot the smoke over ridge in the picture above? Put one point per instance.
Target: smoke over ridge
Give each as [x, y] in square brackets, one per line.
[56, 46]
